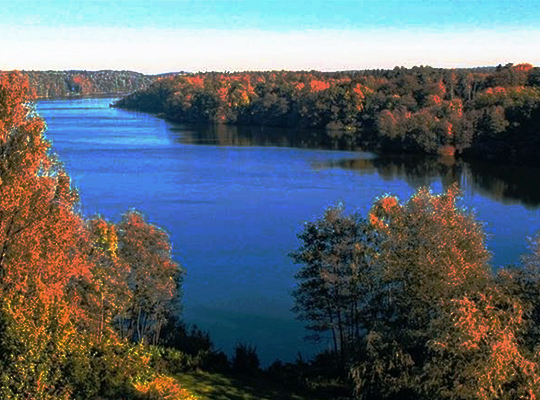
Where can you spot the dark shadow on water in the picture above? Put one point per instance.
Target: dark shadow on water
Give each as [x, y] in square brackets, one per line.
[503, 183]
[249, 136]
[506, 184]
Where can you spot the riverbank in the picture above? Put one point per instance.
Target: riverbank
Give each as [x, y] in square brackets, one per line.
[490, 114]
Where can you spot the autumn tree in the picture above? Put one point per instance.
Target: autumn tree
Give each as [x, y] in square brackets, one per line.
[104, 294]
[522, 282]
[477, 351]
[431, 318]
[40, 233]
[477, 112]
[61, 278]
[394, 279]
[486, 347]
[431, 251]
[154, 279]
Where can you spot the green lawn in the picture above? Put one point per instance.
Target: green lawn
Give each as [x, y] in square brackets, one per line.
[210, 386]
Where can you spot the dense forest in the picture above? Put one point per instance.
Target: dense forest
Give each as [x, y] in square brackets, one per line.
[53, 84]
[91, 309]
[485, 113]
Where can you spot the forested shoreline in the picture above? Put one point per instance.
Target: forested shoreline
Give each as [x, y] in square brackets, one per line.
[91, 308]
[483, 113]
[62, 84]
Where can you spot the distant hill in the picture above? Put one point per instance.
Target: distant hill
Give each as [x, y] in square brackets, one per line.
[51, 84]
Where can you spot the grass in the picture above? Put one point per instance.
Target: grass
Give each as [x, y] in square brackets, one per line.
[212, 386]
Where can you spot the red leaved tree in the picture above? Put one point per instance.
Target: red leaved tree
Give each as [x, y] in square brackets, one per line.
[40, 235]
[65, 282]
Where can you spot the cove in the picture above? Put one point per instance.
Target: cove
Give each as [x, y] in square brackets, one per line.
[233, 200]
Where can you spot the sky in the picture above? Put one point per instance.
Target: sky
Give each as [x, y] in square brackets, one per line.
[186, 35]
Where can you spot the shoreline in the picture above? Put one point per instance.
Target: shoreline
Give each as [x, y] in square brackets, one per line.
[83, 96]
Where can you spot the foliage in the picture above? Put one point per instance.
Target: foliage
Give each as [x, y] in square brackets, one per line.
[434, 320]
[336, 254]
[63, 291]
[104, 294]
[154, 278]
[412, 305]
[39, 235]
[162, 388]
[479, 355]
[194, 345]
[187, 338]
[523, 282]
[107, 371]
[50, 84]
[431, 251]
[477, 112]
[170, 361]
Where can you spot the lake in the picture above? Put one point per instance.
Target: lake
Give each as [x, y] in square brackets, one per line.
[234, 199]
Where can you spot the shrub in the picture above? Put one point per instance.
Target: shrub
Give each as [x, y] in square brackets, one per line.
[245, 360]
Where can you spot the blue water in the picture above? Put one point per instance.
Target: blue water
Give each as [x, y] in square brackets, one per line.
[233, 213]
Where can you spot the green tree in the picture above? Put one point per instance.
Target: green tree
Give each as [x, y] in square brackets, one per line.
[245, 359]
[335, 256]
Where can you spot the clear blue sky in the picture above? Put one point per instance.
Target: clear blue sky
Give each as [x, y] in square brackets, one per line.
[161, 36]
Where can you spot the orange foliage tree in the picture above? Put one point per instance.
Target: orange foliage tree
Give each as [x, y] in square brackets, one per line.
[477, 351]
[39, 240]
[431, 251]
[64, 282]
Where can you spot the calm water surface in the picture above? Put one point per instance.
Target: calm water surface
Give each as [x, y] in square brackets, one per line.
[233, 201]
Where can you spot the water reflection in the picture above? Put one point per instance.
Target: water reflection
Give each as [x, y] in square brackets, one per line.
[507, 184]
[503, 183]
[247, 136]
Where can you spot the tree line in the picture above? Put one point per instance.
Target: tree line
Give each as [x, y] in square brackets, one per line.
[488, 113]
[54, 84]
